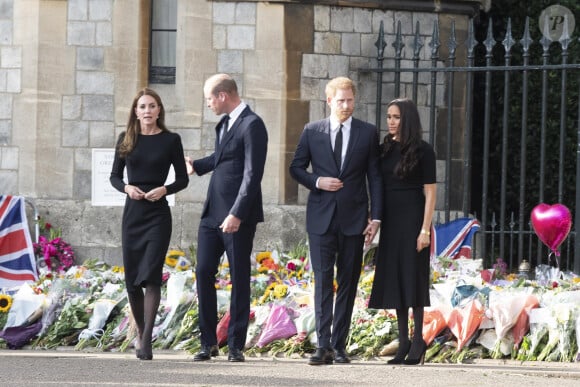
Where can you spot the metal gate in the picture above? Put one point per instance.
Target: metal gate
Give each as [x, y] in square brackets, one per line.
[494, 182]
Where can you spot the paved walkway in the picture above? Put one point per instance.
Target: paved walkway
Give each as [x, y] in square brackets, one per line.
[169, 368]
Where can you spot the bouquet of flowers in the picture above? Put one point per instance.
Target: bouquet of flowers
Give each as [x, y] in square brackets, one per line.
[52, 252]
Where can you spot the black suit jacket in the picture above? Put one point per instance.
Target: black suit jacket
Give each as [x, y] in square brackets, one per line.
[238, 167]
[361, 164]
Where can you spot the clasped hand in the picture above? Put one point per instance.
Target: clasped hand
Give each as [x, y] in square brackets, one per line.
[330, 184]
[136, 193]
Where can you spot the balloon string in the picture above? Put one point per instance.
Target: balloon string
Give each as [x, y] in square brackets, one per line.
[555, 259]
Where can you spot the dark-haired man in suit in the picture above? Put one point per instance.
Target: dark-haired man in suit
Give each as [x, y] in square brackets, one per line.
[343, 153]
[232, 209]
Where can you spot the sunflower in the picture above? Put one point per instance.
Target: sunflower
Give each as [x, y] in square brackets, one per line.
[5, 303]
[263, 255]
[173, 257]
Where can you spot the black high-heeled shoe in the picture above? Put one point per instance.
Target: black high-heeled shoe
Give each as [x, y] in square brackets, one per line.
[420, 354]
[402, 352]
[142, 355]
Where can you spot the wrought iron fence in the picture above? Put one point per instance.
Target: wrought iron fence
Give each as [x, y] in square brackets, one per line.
[502, 205]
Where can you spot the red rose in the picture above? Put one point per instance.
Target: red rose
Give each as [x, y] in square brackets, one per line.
[486, 275]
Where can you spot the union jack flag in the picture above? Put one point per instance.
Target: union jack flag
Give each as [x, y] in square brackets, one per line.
[17, 261]
[453, 239]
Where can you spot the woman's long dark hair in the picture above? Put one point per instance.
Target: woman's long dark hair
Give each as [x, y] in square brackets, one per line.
[410, 133]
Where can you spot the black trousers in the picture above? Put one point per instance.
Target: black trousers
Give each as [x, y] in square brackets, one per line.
[326, 251]
[211, 244]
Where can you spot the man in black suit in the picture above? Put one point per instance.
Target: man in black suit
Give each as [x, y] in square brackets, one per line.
[343, 154]
[232, 209]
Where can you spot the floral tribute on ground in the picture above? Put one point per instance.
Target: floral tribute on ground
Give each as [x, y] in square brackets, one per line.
[475, 313]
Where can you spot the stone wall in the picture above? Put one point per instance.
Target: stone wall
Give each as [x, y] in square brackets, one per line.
[69, 71]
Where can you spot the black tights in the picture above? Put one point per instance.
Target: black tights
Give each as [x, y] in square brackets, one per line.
[403, 324]
[144, 308]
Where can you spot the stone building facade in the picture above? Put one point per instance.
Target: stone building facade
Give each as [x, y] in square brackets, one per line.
[70, 69]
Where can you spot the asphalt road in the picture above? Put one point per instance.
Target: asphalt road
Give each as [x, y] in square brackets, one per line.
[169, 368]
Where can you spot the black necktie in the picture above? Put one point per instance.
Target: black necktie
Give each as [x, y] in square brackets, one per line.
[338, 147]
[224, 128]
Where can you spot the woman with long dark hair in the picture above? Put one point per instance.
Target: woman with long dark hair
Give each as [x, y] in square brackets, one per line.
[402, 265]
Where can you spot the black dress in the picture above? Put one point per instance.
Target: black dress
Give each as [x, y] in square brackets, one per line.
[146, 228]
[401, 274]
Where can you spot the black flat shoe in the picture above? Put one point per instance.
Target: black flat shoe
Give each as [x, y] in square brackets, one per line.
[236, 355]
[416, 354]
[341, 357]
[401, 354]
[322, 356]
[206, 353]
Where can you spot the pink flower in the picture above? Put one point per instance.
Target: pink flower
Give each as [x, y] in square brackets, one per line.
[291, 266]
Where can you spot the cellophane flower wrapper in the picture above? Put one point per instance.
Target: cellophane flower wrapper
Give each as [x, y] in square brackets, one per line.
[61, 291]
[101, 311]
[278, 326]
[464, 321]
[189, 329]
[222, 329]
[565, 316]
[174, 297]
[546, 274]
[169, 327]
[501, 346]
[504, 307]
[306, 321]
[522, 325]
[540, 320]
[72, 318]
[24, 303]
[433, 323]
[261, 313]
[370, 330]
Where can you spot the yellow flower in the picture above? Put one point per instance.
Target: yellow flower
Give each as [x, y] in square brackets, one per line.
[5, 303]
[436, 276]
[576, 280]
[263, 255]
[173, 256]
[280, 291]
[512, 277]
[265, 296]
[176, 253]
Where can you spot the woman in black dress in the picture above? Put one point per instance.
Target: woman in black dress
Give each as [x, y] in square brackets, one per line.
[147, 149]
[402, 266]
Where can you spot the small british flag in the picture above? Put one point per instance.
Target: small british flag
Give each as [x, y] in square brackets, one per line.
[17, 263]
[453, 239]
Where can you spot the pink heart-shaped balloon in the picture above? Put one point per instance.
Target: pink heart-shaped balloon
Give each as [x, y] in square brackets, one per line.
[552, 223]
